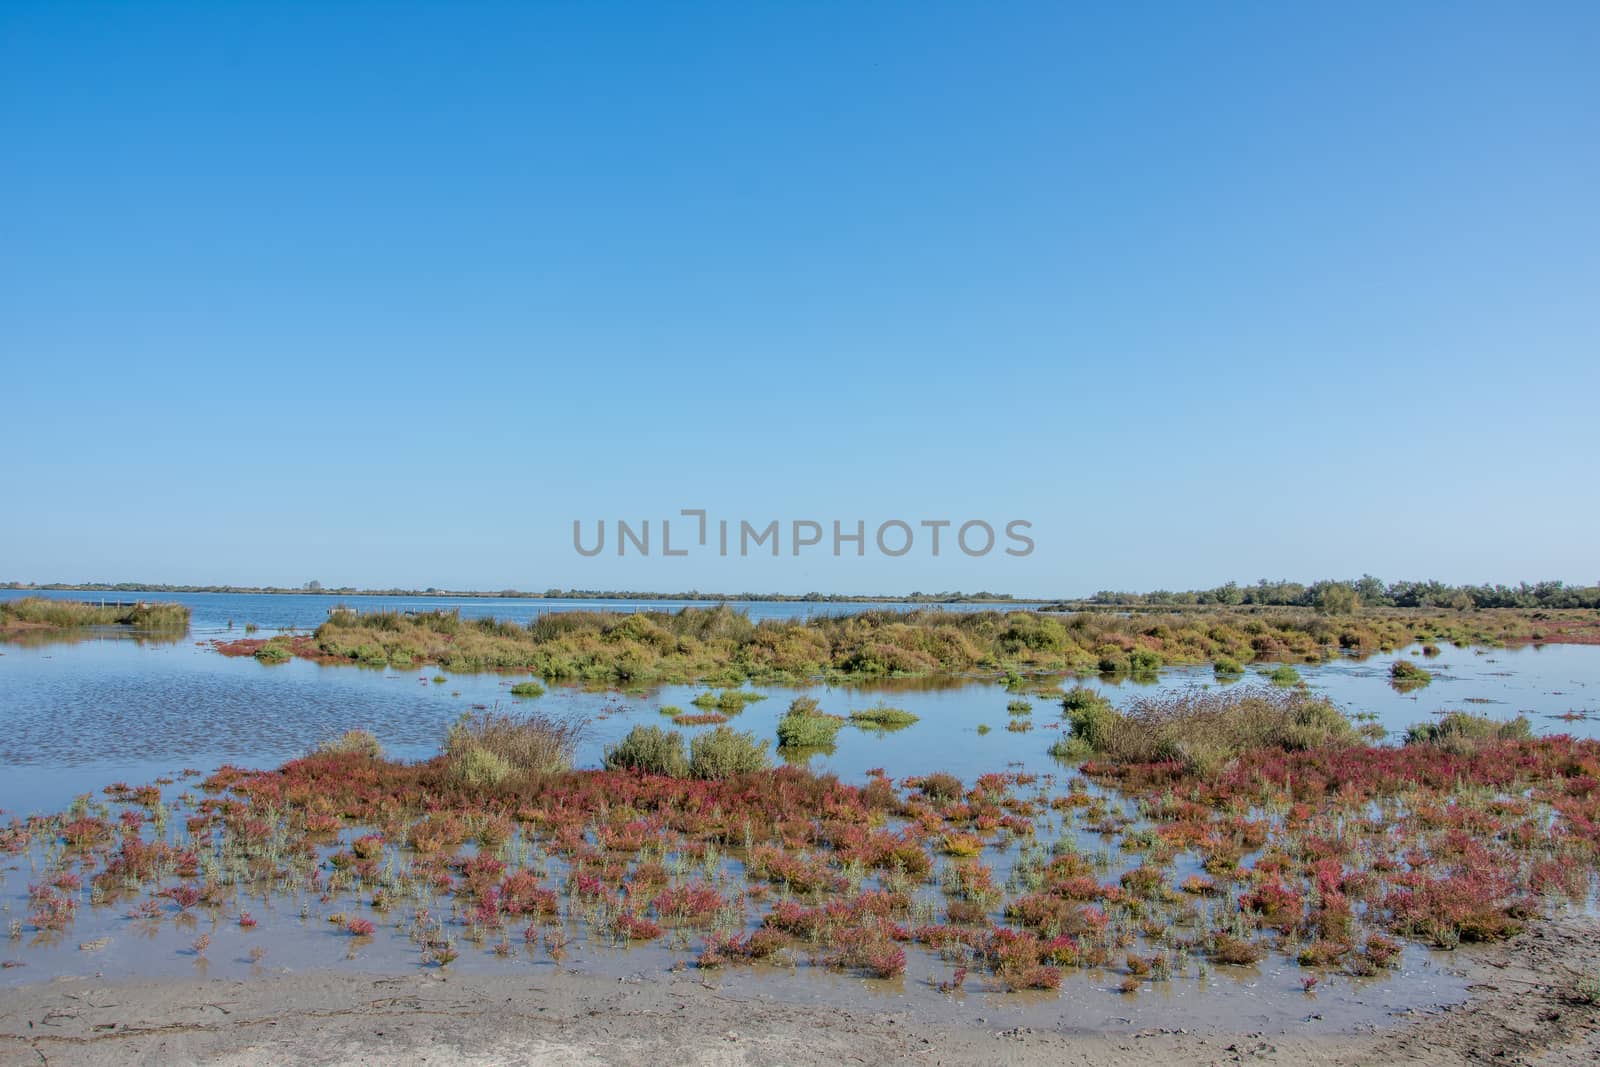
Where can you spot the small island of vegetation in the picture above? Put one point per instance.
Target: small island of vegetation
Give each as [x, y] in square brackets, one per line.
[43, 614]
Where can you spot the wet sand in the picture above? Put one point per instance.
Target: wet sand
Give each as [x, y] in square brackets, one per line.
[1523, 1008]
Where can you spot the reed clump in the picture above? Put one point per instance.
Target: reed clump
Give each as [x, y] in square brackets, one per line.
[484, 749]
[1463, 732]
[1204, 730]
[351, 743]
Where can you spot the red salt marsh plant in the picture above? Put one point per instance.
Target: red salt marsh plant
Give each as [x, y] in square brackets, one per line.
[709, 718]
[629, 927]
[868, 951]
[555, 943]
[722, 949]
[184, 896]
[1319, 850]
[50, 908]
[692, 902]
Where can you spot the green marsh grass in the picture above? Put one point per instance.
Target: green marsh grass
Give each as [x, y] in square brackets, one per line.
[72, 614]
[721, 646]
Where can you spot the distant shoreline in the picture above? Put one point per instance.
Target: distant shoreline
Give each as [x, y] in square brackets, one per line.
[516, 594]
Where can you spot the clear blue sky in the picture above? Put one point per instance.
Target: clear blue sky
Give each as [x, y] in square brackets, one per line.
[390, 294]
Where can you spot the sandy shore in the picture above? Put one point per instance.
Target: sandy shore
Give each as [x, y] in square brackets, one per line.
[1523, 1009]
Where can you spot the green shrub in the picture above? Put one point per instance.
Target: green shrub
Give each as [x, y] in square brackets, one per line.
[649, 749]
[882, 717]
[272, 653]
[1020, 707]
[1226, 667]
[1144, 660]
[1408, 675]
[670, 710]
[804, 725]
[725, 752]
[527, 689]
[374, 655]
[1088, 714]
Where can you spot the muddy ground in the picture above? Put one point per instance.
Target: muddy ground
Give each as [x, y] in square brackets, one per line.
[1526, 1006]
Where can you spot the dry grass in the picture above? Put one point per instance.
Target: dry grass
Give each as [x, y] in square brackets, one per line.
[1461, 732]
[489, 748]
[350, 743]
[1203, 730]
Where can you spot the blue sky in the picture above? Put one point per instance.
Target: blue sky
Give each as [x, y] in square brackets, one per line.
[390, 294]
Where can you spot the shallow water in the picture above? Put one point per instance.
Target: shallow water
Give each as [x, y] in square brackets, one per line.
[77, 716]
[1268, 997]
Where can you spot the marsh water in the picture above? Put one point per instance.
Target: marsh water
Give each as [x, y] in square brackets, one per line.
[106, 707]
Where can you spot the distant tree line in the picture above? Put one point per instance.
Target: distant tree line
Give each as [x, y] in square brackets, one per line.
[1338, 597]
